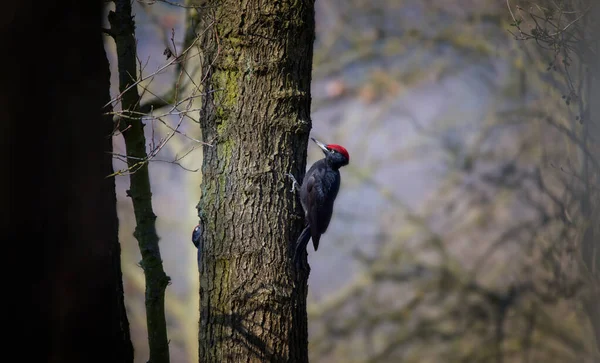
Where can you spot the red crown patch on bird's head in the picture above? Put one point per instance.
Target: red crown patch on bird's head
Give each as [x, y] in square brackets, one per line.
[339, 148]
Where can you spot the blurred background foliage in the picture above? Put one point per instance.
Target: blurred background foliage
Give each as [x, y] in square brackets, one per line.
[456, 235]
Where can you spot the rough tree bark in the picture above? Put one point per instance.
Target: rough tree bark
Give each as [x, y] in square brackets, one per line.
[61, 252]
[256, 73]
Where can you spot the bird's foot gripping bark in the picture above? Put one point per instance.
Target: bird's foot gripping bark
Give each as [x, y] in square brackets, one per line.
[295, 184]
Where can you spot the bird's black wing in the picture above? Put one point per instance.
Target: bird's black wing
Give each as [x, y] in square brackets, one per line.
[321, 197]
[330, 185]
[311, 196]
[314, 198]
[321, 187]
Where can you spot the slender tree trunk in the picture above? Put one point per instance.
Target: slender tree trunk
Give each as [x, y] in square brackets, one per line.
[256, 61]
[62, 252]
[132, 129]
[590, 199]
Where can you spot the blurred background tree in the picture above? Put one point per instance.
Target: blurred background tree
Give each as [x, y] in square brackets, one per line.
[466, 226]
[59, 227]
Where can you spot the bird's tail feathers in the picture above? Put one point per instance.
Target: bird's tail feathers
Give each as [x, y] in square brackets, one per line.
[302, 242]
[316, 238]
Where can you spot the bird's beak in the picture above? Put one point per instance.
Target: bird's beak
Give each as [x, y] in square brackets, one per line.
[321, 145]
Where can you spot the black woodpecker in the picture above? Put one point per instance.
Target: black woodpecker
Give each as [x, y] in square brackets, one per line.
[317, 194]
[196, 234]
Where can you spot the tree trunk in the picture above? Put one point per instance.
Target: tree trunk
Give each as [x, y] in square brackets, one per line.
[590, 133]
[140, 191]
[256, 73]
[62, 255]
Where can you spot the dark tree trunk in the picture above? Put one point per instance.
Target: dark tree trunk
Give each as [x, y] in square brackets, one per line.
[140, 191]
[256, 62]
[61, 251]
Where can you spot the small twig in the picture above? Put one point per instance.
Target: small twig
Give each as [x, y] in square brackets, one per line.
[158, 71]
[173, 42]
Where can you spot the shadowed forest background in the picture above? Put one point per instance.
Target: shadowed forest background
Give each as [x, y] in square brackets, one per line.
[466, 226]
